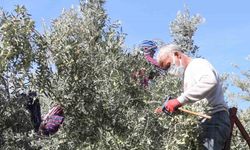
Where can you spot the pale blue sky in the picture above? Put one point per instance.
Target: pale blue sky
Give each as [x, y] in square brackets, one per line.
[223, 38]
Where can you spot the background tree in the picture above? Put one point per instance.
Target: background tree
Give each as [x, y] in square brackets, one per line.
[242, 82]
[20, 49]
[241, 85]
[182, 29]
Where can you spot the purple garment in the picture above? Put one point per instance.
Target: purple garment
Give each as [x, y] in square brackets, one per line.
[151, 60]
[144, 82]
[52, 124]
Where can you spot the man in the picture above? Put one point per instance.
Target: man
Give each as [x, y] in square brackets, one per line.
[201, 81]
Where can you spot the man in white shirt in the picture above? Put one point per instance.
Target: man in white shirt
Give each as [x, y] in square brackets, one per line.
[201, 81]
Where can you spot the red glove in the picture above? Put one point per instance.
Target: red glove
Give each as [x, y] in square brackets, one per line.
[172, 105]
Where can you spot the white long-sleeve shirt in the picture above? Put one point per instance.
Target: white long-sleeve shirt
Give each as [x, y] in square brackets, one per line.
[201, 81]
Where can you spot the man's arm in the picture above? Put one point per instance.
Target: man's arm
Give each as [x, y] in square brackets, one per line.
[206, 80]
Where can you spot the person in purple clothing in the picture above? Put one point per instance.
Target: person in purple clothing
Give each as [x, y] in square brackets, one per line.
[52, 121]
[149, 49]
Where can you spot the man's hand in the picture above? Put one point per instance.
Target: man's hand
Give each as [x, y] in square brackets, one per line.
[172, 105]
[158, 110]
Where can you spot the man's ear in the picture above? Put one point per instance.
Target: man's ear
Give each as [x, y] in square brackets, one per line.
[177, 54]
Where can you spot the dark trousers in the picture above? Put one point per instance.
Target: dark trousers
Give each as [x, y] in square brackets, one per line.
[35, 112]
[215, 131]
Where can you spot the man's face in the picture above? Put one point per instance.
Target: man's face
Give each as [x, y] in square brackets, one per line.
[169, 59]
[166, 61]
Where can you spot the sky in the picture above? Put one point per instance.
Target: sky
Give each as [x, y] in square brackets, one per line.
[223, 38]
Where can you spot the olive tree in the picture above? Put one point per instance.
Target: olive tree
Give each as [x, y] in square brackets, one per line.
[80, 62]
